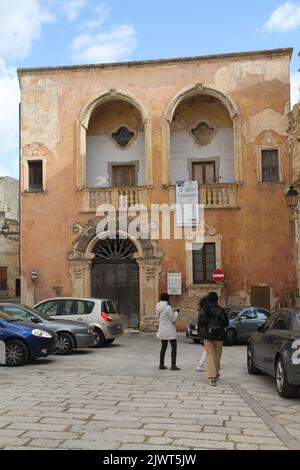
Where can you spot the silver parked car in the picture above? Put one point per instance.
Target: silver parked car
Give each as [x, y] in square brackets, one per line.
[100, 313]
[243, 322]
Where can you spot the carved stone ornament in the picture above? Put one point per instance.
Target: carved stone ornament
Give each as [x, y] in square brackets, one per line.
[200, 291]
[35, 149]
[123, 136]
[203, 134]
[294, 126]
[268, 138]
[88, 231]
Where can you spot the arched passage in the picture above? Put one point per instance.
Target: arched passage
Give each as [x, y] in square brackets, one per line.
[82, 127]
[115, 276]
[202, 123]
[144, 254]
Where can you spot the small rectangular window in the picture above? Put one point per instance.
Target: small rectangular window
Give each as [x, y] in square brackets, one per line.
[35, 171]
[270, 165]
[204, 264]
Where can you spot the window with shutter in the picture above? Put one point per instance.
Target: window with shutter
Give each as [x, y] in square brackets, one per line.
[270, 165]
[204, 264]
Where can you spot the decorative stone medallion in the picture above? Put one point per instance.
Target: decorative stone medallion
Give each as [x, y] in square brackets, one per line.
[203, 133]
[123, 136]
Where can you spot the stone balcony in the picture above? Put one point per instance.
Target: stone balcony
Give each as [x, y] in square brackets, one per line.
[214, 196]
[93, 198]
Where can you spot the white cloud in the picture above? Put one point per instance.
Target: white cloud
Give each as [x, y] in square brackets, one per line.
[295, 88]
[21, 23]
[285, 18]
[102, 12]
[72, 8]
[9, 105]
[110, 46]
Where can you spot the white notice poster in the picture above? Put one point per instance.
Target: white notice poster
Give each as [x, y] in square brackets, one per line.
[174, 284]
[187, 214]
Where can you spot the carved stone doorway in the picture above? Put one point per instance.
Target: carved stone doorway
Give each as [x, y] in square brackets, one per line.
[145, 256]
[115, 275]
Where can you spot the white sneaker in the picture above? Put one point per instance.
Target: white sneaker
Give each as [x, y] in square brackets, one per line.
[200, 369]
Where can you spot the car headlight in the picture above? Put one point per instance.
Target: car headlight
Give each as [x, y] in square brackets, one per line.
[41, 334]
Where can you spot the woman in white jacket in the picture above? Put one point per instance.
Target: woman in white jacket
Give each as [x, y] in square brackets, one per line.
[167, 330]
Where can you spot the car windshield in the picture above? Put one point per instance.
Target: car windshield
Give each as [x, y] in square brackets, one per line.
[7, 316]
[43, 315]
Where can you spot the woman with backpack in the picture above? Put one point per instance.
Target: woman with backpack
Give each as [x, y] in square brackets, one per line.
[214, 320]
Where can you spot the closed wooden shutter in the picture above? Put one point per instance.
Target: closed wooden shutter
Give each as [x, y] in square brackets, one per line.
[123, 175]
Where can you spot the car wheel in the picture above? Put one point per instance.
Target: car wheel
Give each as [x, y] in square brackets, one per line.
[65, 344]
[109, 341]
[17, 353]
[284, 389]
[196, 341]
[250, 363]
[230, 337]
[99, 340]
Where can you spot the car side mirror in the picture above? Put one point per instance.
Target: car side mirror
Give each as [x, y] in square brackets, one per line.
[35, 320]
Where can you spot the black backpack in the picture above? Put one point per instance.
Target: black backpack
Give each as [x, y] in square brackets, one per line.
[215, 325]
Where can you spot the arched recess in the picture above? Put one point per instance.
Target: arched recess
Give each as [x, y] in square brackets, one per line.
[200, 89]
[147, 257]
[82, 126]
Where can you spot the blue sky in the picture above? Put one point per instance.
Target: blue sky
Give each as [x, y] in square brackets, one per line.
[58, 32]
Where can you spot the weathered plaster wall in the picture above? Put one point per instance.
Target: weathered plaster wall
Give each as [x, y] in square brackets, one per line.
[9, 197]
[257, 245]
[101, 152]
[9, 249]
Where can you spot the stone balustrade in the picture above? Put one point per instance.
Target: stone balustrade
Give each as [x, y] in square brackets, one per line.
[213, 196]
[117, 197]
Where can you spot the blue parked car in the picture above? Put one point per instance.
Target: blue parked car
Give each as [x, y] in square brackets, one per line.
[25, 341]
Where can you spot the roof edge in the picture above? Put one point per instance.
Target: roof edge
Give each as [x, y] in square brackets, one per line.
[231, 55]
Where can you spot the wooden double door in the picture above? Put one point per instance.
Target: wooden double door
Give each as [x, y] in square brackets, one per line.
[119, 281]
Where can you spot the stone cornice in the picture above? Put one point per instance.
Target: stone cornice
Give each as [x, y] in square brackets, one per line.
[142, 63]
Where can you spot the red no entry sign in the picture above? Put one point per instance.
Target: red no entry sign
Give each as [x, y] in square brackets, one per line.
[218, 275]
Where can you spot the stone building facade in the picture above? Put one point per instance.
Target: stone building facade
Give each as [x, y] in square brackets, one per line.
[9, 245]
[295, 151]
[98, 133]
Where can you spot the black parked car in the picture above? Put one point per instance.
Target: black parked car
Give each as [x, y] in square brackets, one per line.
[243, 322]
[275, 350]
[70, 334]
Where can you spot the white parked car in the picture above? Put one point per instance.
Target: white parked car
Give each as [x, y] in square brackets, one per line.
[100, 313]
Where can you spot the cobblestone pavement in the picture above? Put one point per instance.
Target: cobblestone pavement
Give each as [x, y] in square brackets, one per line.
[116, 398]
